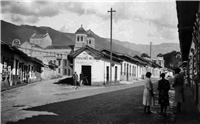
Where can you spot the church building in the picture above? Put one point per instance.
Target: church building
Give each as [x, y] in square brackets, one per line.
[92, 63]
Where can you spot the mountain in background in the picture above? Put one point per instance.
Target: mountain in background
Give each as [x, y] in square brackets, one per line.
[9, 32]
[101, 43]
[156, 49]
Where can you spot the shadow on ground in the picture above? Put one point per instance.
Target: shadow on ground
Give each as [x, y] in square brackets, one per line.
[68, 80]
[118, 107]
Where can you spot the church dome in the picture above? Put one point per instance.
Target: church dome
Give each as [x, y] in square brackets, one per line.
[81, 30]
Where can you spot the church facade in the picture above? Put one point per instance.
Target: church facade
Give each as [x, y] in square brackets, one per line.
[92, 63]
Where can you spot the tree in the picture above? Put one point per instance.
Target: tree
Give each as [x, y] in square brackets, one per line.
[145, 55]
[171, 59]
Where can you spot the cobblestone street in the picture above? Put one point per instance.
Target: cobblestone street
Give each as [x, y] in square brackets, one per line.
[65, 104]
[50, 103]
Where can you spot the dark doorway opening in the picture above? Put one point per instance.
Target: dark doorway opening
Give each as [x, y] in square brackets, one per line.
[107, 73]
[115, 73]
[86, 70]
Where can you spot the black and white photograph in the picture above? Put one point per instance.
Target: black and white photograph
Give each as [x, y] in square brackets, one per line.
[100, 62]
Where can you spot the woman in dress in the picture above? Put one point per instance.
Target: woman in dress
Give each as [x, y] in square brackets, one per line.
[148, 93]
[163, 88]
[179, 88]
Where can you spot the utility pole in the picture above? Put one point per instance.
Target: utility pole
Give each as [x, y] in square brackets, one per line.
[150, 49]
[111, 11]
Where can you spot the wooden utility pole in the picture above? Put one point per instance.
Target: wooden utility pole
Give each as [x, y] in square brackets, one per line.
[111, 11]
[150, 49]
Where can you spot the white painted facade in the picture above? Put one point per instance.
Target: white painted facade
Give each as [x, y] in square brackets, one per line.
[140, 71]
[98, 67]
[128, 73]
[42, 41]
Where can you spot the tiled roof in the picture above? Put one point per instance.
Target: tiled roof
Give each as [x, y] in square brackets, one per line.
[77, 52]
[121, 56]
[81, 30]
[37, 36]
[106, 51]
[58, 47]
[141, 60]
[89, 34]
[19, 52]
[94, 51]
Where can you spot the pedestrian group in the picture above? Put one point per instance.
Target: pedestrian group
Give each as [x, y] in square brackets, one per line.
[163, 89]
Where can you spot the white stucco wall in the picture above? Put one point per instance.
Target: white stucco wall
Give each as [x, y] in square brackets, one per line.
[98, 67]
[47, 41]
[131, 72]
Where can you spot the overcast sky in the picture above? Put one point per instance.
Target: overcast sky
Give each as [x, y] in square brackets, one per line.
[136, 21]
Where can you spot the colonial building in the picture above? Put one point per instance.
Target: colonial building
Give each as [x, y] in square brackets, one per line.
[128, 65]
[95, 65]
[160, 60]
[32, 50]
[148, 66]
[53, 54]
[17, 66]
[91, 62]
[59, 57]
[143, 66]
[43, 40]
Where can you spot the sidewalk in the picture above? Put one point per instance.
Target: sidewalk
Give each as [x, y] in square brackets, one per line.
[189, 114]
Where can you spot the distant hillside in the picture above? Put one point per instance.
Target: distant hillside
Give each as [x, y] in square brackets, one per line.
[24, 32]
[156, 49]
[104, 43]
[9, 32]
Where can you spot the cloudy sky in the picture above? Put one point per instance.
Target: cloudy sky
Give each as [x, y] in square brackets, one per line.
[136, 21]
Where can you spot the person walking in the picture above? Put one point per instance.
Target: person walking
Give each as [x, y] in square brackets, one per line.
[163, 88]
[27, 77]
[148, 93]
[179, 88]
[75, 79]
[81, 78]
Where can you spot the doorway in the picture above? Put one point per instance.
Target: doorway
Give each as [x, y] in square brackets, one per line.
[86, 70]
[115, 73]
[107, 73]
